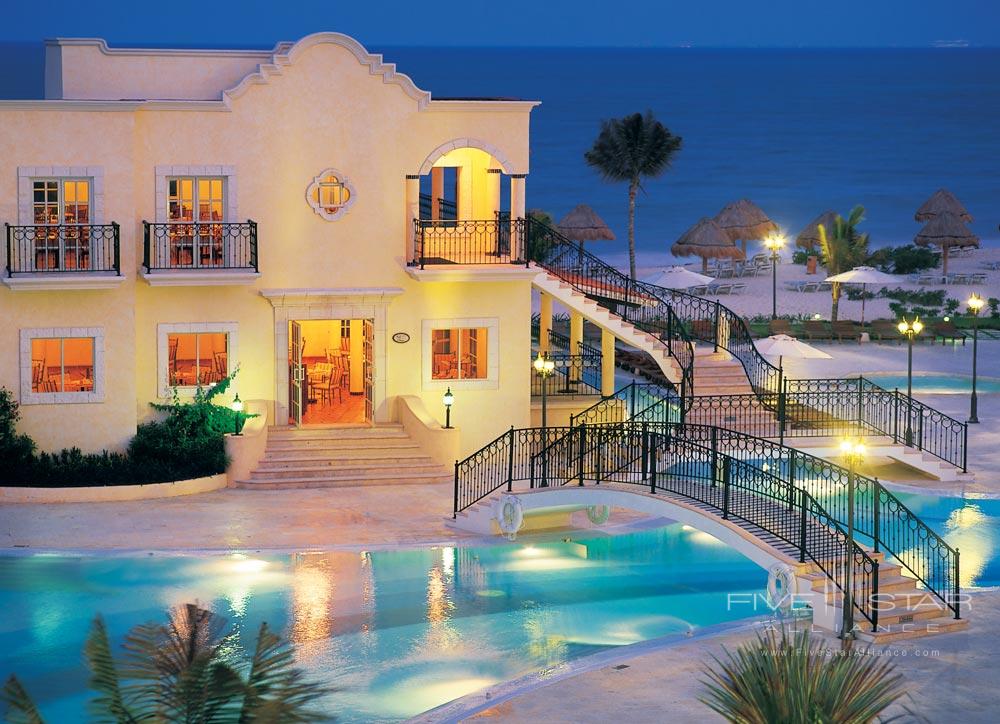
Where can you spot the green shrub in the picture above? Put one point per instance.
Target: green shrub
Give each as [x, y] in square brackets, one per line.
[994, 304]
[794, 678]
[905, 259]
[538, 243]
[906, 303]
[187, 443]
[800, 256]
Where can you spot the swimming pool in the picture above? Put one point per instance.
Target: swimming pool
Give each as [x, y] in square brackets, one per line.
[398, 631]
[936, 384]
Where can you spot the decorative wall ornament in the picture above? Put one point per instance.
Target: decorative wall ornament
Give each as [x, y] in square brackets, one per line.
[330, 194]
[400, 338]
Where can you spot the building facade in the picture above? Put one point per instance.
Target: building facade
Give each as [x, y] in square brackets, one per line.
[307, 214]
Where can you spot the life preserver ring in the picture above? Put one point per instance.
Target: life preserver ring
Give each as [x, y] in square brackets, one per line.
[598, 514]
[781, 587]
[509, 515]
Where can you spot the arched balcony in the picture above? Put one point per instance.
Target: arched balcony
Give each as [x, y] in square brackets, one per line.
[465, 208]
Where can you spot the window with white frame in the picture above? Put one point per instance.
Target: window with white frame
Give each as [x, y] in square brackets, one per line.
[193, 355]
[463, 353]
[196, 209]
[62, 364]
[62, 206]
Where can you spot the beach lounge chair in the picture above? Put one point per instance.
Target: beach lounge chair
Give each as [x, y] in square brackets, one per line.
[780, 326]
[738, 288]
[978, 278]
[816, 329]
[946, 332]
[844, 329]
[794, 286]
[884, 330]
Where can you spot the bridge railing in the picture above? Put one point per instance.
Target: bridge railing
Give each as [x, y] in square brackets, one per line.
[609, 451]
[655, 458]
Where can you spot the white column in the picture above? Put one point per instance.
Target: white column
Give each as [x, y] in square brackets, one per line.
[516, 212]
[412, 212]
[607, 363]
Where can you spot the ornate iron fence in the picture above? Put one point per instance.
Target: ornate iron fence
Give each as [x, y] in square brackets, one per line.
[620, 451]
[76, 248]
[459, 241]
[188, 245]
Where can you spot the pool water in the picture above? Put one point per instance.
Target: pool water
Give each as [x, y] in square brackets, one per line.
[399, 632]
[936, 384]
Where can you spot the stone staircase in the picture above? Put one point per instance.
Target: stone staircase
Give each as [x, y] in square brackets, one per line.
[343, 457]
[627, 332]
[718, 373]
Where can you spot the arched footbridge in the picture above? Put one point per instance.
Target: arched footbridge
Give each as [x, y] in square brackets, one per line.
[786, 510]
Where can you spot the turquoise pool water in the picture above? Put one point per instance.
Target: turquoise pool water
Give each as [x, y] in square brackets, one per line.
[937, 384]
[399, 631]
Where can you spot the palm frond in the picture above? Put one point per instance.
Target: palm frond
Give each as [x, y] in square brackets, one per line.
[109, 703]
[21, 708]
[277, 691]
[793, 678]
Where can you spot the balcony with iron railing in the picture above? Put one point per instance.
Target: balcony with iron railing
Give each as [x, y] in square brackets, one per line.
[63, 256]
[200, 253]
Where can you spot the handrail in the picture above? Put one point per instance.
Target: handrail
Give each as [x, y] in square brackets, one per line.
[635, 400]
[466, 241]
[201, 245]
[63, 248]
[654, 457]
[636, 302]
[710, 321]
[879, 515]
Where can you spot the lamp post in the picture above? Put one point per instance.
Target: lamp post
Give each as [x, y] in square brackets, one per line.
[237, 407]
[544, 367]
[975, 303]
[911, 330]
[774, 242]
[448, 400]
[853, 451]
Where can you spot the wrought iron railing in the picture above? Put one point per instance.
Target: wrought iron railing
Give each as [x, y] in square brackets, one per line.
[594, 453]
[641, 304]
[634, 401]
[187, 245]
[577, 368]
[653, 457]
[76, 248]
[462, 241]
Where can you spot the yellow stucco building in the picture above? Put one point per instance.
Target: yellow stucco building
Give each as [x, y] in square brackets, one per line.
[307, 213]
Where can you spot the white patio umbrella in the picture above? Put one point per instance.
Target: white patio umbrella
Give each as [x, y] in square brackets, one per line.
[781, 345]
[677, 277]
[864, 275]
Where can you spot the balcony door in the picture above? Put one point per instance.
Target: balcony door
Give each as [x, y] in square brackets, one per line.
[195, 213]
[61, 207]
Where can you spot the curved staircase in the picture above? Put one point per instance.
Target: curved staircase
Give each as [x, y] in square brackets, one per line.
[342, 457]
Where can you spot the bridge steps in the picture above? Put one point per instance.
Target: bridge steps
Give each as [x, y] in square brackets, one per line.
[342, 458]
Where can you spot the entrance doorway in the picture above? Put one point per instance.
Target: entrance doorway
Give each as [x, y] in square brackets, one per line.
[330, 371]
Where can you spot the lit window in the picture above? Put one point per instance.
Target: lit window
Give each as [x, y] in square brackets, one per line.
[459, 354]
[197, 358]
[63, 364]
[63, 205]
[330, 194]
[196, 200]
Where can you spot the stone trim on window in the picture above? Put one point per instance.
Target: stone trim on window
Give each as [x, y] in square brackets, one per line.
[54, 398]
[492, 381]
[230, 329]
[314, 203]
[164, 172]
[25, 174]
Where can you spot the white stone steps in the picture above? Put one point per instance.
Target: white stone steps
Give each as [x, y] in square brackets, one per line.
[358, 481]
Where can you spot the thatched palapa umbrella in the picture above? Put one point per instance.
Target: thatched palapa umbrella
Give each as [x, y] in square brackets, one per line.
[808, 238]
[744, 221]
[707, 240]
[946, 230]
[583, 224]
[940, 201]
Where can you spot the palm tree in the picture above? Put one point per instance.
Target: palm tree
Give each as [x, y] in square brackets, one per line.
[183, 671]
[631, 149]
[794, 679]
[843, 249]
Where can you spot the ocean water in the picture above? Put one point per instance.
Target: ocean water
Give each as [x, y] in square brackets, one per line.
[797, 131]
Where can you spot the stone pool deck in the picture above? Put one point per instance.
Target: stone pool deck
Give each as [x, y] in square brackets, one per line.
[951, 677]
